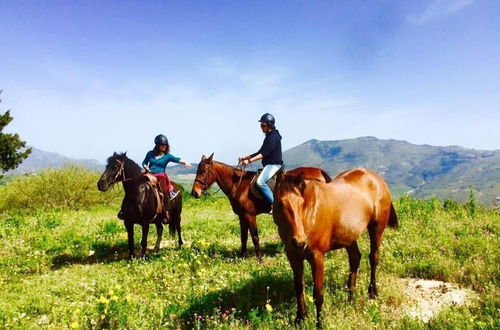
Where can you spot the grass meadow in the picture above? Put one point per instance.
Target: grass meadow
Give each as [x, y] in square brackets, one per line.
[63, 265]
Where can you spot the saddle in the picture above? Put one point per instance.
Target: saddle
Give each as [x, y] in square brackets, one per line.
[271, 183]
[157, 190]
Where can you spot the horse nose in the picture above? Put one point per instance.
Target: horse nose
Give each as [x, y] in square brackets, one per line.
[101, 186]
[299, 243]
[193, 192]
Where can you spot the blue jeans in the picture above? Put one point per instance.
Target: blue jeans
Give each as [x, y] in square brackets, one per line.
[266, 175]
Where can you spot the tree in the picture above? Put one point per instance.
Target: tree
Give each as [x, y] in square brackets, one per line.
[12, 149]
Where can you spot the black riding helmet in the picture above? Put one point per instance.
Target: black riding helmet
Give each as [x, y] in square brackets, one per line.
[161, 139]
[268, 118]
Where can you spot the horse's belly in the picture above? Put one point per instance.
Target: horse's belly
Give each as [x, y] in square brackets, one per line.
[347, 231]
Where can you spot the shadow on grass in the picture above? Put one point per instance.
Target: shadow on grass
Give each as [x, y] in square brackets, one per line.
[268, 249]
[243, 302]
[103, 253]
[109, 253]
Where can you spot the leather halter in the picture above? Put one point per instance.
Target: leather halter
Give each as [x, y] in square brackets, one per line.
[204, 182]
[121, 172]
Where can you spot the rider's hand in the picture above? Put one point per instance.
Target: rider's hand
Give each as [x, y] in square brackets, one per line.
[246, 161]
[188, 165]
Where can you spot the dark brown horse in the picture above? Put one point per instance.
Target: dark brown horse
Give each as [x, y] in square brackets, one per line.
[235, 184]
[315, 217]
[140, 204]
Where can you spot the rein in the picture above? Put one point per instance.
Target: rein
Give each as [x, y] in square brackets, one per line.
[241, 166]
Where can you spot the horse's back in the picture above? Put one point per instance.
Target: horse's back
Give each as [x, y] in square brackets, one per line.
[310, 173]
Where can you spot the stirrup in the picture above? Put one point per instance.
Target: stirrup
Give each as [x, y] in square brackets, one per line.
[173, 194]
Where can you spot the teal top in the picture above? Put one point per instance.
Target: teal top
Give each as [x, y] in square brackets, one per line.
[158, 165]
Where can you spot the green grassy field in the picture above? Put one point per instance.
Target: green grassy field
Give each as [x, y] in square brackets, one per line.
[68, 269]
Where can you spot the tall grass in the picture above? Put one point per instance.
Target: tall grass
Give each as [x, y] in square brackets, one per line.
[70, 187]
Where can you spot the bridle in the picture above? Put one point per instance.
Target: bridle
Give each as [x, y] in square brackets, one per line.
[121, 172]
[204, 182]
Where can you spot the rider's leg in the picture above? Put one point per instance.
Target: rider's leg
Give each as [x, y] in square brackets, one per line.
[162, 180]
[266, 174]
[171, 193]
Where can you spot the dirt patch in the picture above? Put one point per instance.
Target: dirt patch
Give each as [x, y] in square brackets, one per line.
[428, 298]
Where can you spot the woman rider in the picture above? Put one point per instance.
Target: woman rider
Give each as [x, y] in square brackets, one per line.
[270, 153]
[156, 162]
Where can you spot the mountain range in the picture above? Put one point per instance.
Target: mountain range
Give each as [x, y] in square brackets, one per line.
[421, 170]
[39, 159]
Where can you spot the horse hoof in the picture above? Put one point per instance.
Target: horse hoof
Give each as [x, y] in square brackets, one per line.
[299, 319]
[244, 255]
[372, 291]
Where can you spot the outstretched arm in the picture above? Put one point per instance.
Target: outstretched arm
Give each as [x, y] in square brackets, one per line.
[183, 162]
[250, 159]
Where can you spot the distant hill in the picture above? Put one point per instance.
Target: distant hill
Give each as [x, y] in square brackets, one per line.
[423, 170]
[39, 159]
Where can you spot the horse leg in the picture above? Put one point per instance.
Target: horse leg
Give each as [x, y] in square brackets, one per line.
[129, 225]
[244, 235]
[177, 223]
[354, 258]
[159, 234]
[297, 264]
[318, 272]
[144, 239]
[252, 222]
[375, 238]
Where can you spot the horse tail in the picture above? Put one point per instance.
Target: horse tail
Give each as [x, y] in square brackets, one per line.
[328, 179]
[393, 218]
[172, 228]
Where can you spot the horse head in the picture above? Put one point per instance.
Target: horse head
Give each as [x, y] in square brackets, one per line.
[288, 208]
[114, 171]
[205, 176]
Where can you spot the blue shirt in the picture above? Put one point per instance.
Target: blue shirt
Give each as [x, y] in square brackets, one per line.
[158, 165]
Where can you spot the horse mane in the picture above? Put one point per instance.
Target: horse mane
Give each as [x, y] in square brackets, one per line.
[131, 167]
[290, 183]
[247, 174]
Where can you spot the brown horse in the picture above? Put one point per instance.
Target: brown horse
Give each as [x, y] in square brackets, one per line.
[315, 217]
[139, 205]
[235, 184]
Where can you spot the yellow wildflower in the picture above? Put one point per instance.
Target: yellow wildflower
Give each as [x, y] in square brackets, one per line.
[103, 300]
[74, 325]
[269, 308]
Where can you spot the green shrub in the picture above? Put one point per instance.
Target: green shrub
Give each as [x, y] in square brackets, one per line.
[70, 187]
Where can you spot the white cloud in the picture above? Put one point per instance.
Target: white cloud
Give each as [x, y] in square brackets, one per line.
[439, 8]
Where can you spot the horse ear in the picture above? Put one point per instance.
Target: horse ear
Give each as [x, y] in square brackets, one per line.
[203, 157]
[210, 158]
[125, 153]
[115, 154]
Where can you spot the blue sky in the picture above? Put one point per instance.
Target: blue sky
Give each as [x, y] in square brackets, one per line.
[86, 78]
